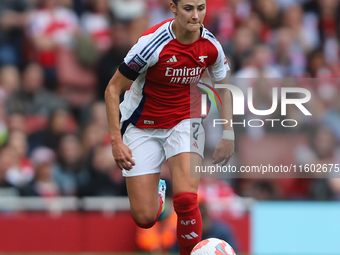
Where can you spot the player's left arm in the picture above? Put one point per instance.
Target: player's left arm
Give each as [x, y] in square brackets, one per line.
[225, 148]
[218, 71]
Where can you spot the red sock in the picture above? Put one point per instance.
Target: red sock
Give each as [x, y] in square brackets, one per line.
[150, 224]
[189, 221]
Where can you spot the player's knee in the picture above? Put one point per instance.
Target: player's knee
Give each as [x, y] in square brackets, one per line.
[191, 186]
[145, 218]
[185, 202]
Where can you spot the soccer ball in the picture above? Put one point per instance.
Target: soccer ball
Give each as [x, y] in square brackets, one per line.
[212, 246]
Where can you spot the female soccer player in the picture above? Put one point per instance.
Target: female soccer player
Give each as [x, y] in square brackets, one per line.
[158, 72]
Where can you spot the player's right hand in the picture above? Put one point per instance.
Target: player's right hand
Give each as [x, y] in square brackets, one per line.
[122, 155]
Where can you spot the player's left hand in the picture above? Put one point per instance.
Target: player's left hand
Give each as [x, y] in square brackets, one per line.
[223, 151]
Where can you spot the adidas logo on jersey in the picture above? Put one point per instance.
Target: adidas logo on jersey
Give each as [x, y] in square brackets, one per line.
[172, 59]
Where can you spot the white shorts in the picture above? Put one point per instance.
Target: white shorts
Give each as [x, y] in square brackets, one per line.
[150, 147]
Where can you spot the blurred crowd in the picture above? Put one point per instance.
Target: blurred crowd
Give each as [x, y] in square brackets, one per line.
[57, 56]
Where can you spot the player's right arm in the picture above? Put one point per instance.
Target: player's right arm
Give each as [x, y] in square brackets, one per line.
[121, 153]
[137, 61]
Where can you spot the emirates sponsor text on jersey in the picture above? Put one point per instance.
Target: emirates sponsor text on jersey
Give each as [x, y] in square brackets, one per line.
[184, 75]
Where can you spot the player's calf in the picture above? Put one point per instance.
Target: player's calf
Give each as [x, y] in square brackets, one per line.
[189, 221]
[146, 218]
